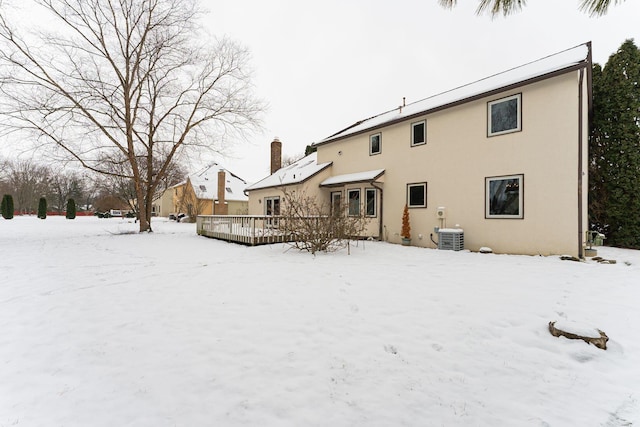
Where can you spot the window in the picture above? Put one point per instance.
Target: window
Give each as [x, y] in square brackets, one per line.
[419, 133]
[375, 144]
[504, 115]
[504, 197]
[417, 195]
[354, 202]
[272, 206]
[336, 202]
[370, 201]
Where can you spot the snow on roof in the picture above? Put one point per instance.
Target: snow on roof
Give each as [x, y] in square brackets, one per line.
[205, 184]
[293, 174]
[550, 64]
[352, 177]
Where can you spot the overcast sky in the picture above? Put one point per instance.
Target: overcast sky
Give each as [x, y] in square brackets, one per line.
[323, 65]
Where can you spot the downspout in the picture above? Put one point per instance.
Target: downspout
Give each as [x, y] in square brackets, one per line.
[380, 229]
[589, 66]
[580, 167]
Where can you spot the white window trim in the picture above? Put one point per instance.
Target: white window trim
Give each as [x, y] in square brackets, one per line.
[333, 202]
[413, 125]
[379, 135]
[272, 222]
[518, 97]
[272, 199]
[417, 184]
[375, 202]
[487, 182]
[354, 190]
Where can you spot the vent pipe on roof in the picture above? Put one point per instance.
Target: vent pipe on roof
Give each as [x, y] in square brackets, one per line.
[276, 155]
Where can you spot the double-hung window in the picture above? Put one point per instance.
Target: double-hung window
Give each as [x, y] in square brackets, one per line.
[504, 115]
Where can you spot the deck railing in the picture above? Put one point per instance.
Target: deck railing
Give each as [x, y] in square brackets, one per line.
[246, 229]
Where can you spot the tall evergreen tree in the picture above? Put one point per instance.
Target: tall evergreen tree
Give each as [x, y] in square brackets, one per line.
[7, 206]
[71, 209]
[614, 195]
[42, 208]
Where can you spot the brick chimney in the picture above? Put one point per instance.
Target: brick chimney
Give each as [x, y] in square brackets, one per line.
[276, 155]
[221, 207]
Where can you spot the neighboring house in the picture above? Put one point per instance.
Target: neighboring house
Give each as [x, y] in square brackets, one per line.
[163, 205]
[211, 191]
[503, 158]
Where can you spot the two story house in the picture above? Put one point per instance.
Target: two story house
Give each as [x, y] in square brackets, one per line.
[503, 158]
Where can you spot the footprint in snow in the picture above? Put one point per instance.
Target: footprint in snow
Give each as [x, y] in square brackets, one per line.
[391, 349]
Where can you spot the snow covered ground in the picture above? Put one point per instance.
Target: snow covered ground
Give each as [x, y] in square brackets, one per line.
[101, 327]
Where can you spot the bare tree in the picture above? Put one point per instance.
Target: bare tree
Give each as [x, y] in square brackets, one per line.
[289, 160]
[118, 183]
[4, 185]
[315, 226]
[124, 78]
[27, 182]
[191, 201]
[64, 186]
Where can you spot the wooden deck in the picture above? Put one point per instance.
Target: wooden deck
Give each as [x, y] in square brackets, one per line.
[249, 230]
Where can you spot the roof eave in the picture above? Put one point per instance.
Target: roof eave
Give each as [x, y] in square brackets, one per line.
[291, 183]
[573, 67]
[359, 181]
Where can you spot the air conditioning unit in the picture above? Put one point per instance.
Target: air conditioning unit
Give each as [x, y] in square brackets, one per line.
[441, 212]
[451, 239]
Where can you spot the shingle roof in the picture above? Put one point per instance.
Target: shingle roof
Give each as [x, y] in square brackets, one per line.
[205, 184]
[565, 60]
[366, 176]
[295, 173]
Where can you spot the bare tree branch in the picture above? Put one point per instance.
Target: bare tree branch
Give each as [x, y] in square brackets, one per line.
[124, 79]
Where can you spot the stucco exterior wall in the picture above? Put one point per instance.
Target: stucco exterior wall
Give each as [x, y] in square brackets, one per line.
[459, 155]
[165, 203]
[311, 187]
[238, 207]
